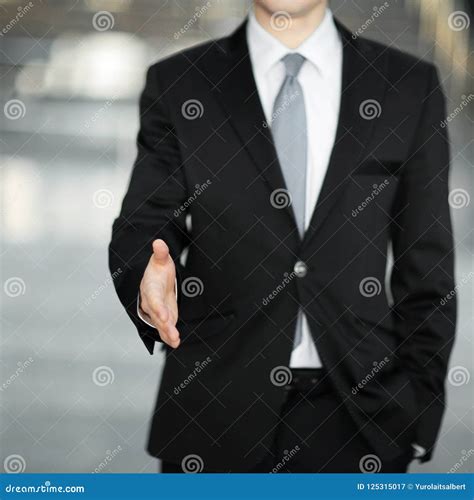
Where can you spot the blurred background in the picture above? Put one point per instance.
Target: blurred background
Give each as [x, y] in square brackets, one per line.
[76, 384]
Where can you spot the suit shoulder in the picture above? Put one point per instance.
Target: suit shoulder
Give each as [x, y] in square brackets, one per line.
[401, 64]
[186, 59]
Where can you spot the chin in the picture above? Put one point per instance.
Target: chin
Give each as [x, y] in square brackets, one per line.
[292, 7]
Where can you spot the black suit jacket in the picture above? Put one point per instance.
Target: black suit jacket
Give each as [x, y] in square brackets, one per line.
[386, 187]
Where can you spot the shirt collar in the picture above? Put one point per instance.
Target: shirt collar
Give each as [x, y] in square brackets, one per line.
[266, 50]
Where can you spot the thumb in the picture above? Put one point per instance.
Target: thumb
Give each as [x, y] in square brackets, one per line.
[160, 252]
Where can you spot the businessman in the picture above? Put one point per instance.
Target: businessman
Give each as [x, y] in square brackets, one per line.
[286, 239]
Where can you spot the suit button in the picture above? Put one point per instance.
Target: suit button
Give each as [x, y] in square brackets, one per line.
[300, 269]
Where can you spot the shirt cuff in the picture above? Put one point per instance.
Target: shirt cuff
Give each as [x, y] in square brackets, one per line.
[418, 451]
[143, 316]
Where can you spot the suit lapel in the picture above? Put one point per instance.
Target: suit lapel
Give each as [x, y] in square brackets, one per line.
[362, 82]
[235, 89]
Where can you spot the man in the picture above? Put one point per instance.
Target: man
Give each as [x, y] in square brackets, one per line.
[277, 171]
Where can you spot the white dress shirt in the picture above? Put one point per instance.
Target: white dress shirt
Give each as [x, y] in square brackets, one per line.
[320, 78]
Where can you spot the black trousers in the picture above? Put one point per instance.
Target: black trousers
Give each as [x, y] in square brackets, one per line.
[317, 434]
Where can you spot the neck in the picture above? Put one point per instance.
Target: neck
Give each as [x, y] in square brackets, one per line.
[290, 31]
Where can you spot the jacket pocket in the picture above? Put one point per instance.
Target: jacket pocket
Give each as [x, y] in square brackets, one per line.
[384, 168]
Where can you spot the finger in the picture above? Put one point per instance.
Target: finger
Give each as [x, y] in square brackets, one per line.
[160, 252]
[170, 335]
[172, 306]
[173, 336]
[168, 332]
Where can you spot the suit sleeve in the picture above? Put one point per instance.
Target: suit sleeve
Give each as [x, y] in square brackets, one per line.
[423, 273]
[151, 207]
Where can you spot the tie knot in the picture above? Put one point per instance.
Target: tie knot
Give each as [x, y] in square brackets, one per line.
[293, 63]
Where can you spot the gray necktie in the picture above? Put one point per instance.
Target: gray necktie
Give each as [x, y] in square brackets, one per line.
[290, 135]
